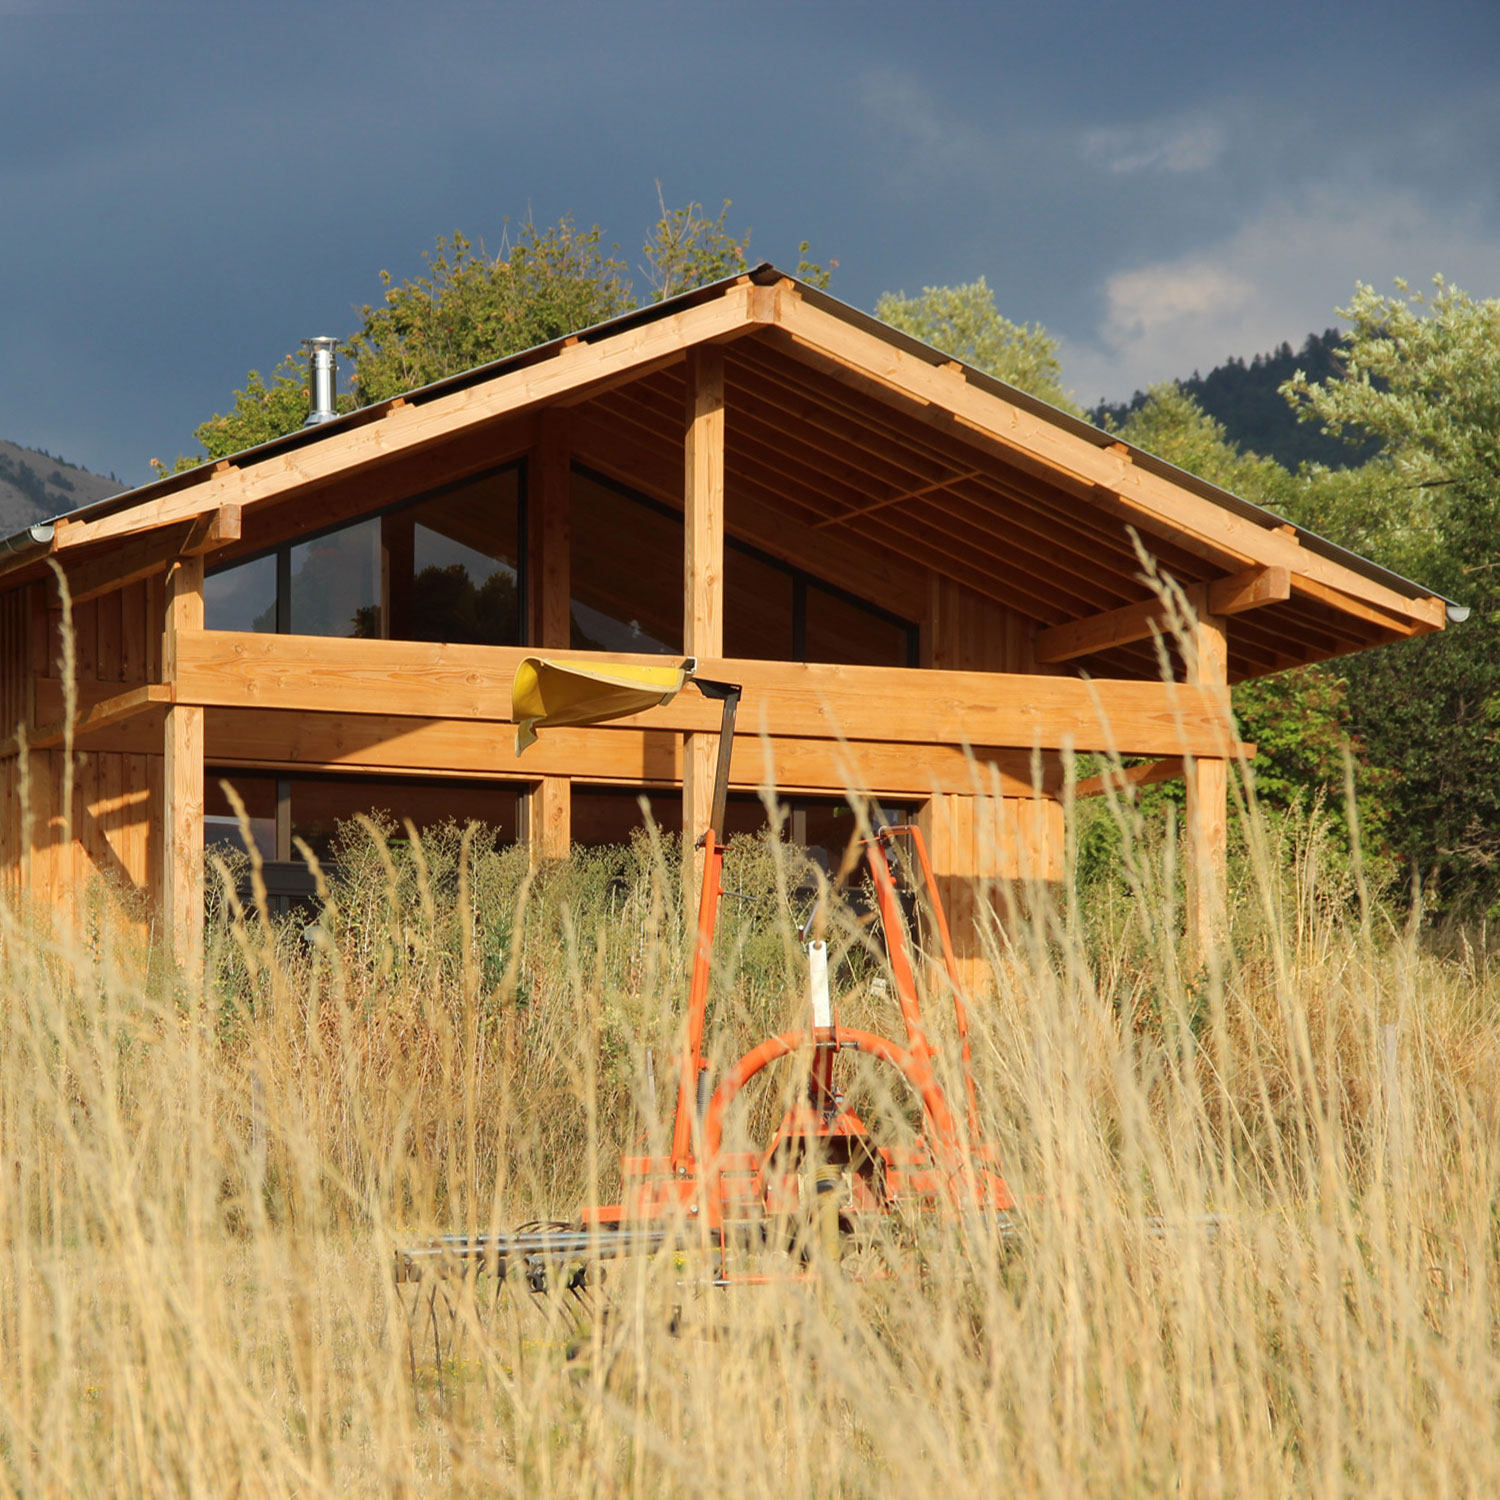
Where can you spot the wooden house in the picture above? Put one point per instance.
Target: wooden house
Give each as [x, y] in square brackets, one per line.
[930, 584]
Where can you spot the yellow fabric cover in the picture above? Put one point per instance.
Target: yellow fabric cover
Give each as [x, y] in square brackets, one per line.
[546, 694]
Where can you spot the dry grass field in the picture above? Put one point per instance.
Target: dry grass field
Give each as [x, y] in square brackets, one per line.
[1256, 1254]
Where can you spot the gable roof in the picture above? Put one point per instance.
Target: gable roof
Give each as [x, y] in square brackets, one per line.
[857, 433]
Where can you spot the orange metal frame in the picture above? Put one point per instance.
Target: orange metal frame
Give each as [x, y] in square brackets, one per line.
[949, 1169]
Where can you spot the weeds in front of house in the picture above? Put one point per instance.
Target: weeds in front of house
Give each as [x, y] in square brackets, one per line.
[1258, 1247]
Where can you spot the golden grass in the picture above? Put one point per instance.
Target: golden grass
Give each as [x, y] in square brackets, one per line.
[1258, 1249]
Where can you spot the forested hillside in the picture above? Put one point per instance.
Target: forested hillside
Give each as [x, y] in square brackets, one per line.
[35, 486]
[1247, 400]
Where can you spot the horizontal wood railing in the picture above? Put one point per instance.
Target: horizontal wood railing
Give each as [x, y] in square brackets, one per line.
[795, 700]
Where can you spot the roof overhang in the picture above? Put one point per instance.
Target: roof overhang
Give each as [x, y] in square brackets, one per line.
[999, 447]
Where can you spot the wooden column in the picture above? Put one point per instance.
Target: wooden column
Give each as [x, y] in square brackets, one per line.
[1207, 777]
[702, 565]
[961, 833]
[548, 813]
[182, 778]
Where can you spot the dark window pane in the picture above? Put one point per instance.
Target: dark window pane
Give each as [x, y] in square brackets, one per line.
[242, 597]
[611, 815]
[221, 825]
[320, 806]
[838, 630]
[452, 565]
[336, 583]
[627, 572]
[758, 600]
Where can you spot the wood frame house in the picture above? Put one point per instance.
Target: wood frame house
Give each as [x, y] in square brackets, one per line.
[928, 582]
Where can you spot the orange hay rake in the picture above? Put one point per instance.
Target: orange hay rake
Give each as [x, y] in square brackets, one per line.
[821, 1169]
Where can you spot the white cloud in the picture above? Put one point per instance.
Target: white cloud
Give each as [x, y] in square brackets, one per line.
[1158, 146]
[1276, 278]
[926, 137]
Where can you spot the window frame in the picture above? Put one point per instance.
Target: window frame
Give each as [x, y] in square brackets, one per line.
[801, 578]
[282, 551]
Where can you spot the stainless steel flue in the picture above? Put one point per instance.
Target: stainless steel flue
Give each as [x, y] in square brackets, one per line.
[325, 379]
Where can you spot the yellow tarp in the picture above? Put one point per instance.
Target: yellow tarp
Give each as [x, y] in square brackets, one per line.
[546, 694]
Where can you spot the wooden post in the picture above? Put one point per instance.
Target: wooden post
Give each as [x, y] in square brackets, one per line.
[947, 821]
[702, 571]
[182, 778]
[1207, 651]
[548, 812]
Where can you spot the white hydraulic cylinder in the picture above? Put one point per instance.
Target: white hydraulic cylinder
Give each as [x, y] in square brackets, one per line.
[817, 986]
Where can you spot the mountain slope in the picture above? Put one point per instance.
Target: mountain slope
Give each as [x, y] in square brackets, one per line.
[1247, 400]
[34, 486]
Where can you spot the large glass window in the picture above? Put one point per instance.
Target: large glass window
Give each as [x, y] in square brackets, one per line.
[837, 628]
[242, 597]
[760, 607]
[335, 583]
[627, 571]
[311, 808]
[444, 567]
[627, 592]
[453, 565]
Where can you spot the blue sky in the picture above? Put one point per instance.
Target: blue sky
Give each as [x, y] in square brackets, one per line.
[186, 190]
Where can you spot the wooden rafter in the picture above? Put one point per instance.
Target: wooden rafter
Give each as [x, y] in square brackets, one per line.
[1150, 501]
[1139, 622]
[947, 482]
[140, 557]
[1151, 774]
[409, 427]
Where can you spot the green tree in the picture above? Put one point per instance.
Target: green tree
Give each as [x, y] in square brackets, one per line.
[1301, 721]
[470, 307]
[963, 321]
[1422, 375]
[261, 411]
[686, 249]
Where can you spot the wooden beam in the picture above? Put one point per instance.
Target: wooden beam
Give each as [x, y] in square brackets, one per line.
[702, 575]
[1115, 627]
[1207, 789]
[549, 577]
[703, 505]
[1242, 591]
[549, 504]
[125, 563]
[1170, 769]
[98, 718]
[373, 745]
[390, 431]
[314, 674]
[1149, 500]
[182, 748]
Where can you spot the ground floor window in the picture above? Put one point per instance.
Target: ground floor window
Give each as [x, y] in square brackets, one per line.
[280, 809]
[821, 825]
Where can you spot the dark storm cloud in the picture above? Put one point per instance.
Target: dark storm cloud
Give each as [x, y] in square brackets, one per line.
[189, 190]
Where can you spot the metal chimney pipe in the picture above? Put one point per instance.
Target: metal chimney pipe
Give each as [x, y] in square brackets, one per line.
[324, 379]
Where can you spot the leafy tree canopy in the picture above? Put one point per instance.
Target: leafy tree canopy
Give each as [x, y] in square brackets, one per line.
[470, 307]
[1423, 376]
[963, 321]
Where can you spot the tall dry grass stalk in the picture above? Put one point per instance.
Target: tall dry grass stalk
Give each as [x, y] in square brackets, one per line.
[1257, 1250]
